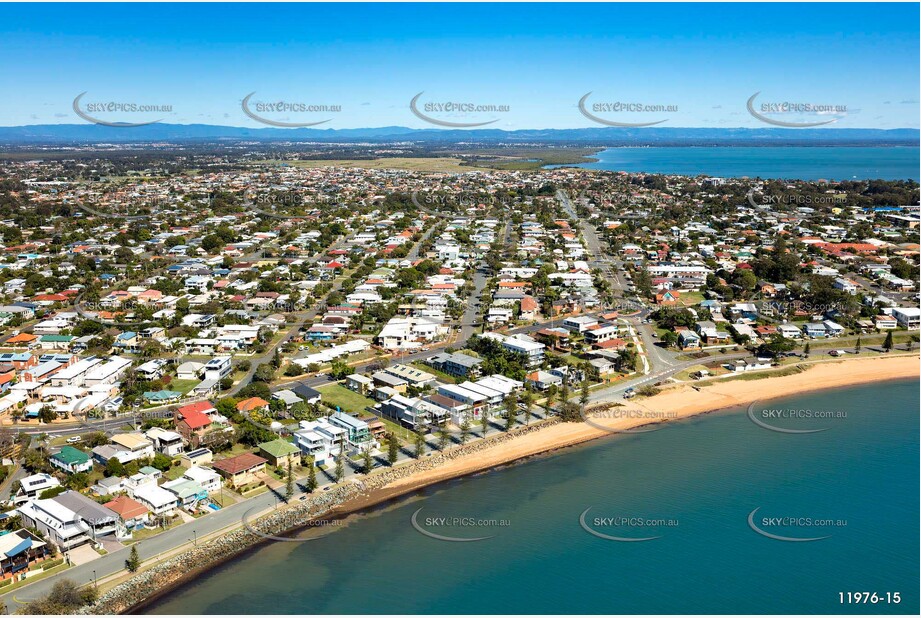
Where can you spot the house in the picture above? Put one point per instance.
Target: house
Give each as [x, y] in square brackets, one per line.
[320, 440]
[189, 370]
[197, 457]
[158, 500]
[132, 513]
[542, 380]
[99, 520]
[241, 470]
[71, 460]
[789, 331]
[907, 317]
[579, 324]
[192, 421]
[218, 368]
[188, 493]
[531, 351]
[358, 434]
[135, 443]
[164, 441]
[602, 334]
[310, 395]
[57, 523]
[208, 479]
[530, 309]
[688, 340]
[20, 550]
[456, 364]
[287, 398]
[414, 377]
[667, 297]
[359, 383]
[814, 330]
[280, 453]
[31, 487]
[252, 404]
[885, 322]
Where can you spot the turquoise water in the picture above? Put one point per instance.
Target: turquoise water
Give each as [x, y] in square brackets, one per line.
[790, 162]
[705, 474]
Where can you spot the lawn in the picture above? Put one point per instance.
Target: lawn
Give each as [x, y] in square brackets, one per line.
[182, 386]
[350, 401]
[420, 164]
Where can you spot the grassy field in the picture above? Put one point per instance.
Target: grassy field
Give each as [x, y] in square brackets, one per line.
[350, 401]
[182, 386]
[420, 164]
[527, 159]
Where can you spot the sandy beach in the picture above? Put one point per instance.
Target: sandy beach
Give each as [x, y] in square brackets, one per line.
[677, 402]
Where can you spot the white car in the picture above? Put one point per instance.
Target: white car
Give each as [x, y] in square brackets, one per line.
[74, 439]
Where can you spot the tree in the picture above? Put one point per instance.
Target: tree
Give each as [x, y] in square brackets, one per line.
[47, 414]
[583, 397]
[419, 444]
[289, 483]
[133, 563]
[367, 460]
[393, 448]
[442, 438]
[484, 423]
[161, 462]
[806, 349]
[551, 397]
[340, 464]
[264, 373]
[311, 477]
[857, 345]
[339, 370]
[465, 430]
[887, 343]
[114, 467]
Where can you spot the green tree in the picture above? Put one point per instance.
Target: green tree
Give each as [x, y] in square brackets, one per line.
[47, 414]
[311, 476]
[393, 448]
[484, 423]
[857, 345]
[887, 343]
[465, 430]
[133, 563]
[367, 460]
[583, 397]
[289, 483]
[806, 349]
[340, 464]
[419, 444]
[442, 438]
[114, 467]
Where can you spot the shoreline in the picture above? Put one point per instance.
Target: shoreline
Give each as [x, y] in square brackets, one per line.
[681, 401]
[566, 435]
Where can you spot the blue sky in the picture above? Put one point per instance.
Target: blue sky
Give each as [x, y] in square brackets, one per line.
[537, 59]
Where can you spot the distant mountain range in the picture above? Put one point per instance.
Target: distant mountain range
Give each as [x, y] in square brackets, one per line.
[95, 134]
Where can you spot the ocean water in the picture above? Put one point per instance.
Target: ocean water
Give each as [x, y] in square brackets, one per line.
[789, 162]
[697, 480]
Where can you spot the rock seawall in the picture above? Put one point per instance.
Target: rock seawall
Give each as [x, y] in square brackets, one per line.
[160, 577]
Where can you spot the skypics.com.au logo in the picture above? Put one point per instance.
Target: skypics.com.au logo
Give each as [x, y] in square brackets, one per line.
[615, 111]
[771, 112]
[280, 113]
[108, 112]
[439, 112]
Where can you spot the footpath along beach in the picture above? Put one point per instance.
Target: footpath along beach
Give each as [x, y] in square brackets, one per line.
[673, 403]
